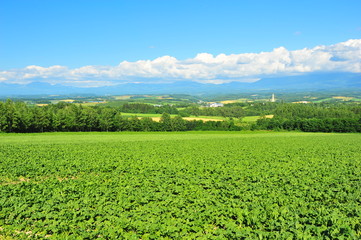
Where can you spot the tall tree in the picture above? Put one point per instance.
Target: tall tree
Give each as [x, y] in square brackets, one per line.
[166, 122]
[106, 119]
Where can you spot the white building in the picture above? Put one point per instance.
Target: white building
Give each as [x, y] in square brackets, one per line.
[273, 99]
[216, 105]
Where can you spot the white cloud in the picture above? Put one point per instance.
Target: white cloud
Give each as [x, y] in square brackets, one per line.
[204, 67]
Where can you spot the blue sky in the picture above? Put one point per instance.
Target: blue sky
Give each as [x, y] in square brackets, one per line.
[77, 33]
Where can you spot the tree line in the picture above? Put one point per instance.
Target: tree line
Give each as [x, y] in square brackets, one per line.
[310, 124]
[313, 118]
[240, 110]
[147, 108]
[195, 110]
[18, 117]
[280, 110]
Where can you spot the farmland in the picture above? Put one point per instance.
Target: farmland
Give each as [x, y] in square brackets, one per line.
[180, 185]
[157, 117]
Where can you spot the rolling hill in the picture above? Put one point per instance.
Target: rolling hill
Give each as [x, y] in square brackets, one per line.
[309, 82]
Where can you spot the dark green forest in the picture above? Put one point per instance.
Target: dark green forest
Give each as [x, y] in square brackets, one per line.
[18, 117]
[313, 118]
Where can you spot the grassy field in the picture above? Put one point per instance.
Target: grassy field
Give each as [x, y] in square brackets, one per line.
[250, 118]
[151, 115]
[184, 185]
[338, 99]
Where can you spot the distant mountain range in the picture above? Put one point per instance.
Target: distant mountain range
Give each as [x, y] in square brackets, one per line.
[315, 82]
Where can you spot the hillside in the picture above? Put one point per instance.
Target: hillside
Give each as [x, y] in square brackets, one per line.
[313, 82]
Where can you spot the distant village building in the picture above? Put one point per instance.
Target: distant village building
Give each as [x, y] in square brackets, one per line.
[216, 105]
[302, 102]
[273, 99]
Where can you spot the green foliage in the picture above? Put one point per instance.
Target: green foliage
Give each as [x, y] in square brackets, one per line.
[19, 118]
[210, 185]
[147, 108]
[320, 111]
[310, 125]
[313, 118]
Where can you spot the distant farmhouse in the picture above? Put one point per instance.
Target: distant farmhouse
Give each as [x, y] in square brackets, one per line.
[216, 105]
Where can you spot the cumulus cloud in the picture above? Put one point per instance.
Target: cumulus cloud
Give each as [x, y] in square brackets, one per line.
[204, 67]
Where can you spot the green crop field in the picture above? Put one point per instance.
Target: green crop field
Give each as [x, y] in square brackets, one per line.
[250, 118]
[197, 185]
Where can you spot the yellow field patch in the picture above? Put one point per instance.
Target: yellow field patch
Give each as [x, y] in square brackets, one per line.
[157, 119]
[91, 103]
[203, 119]
[163, 97]
[67, 100]
[343, 98]
[235, 101]
[229, 101]
[123, 97]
